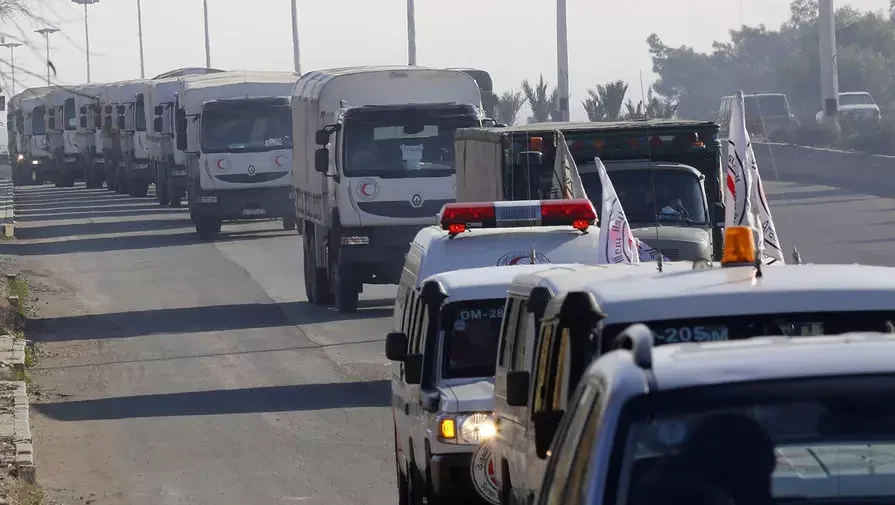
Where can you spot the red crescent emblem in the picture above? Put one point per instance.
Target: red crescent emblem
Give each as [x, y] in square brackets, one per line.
[363, 189]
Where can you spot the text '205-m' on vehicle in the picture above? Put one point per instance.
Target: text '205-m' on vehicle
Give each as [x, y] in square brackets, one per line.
[374, 163]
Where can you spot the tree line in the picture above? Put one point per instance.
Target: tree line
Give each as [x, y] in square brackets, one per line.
[605, 102]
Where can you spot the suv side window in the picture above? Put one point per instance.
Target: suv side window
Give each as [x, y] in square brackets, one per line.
[505, 336]
[542, 360]
[569, 447]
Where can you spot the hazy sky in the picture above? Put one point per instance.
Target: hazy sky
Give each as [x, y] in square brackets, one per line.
[512, 39]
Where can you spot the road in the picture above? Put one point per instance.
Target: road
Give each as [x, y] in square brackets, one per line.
[177, 371]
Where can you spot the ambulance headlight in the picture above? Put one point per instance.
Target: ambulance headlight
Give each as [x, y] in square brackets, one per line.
[470, 429]
[35, 162]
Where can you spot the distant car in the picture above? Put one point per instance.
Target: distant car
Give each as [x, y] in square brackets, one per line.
[764, 111]
[857, 106]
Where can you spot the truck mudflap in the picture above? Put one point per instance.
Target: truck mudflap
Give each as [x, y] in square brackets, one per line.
[240, 204]
[376, 254]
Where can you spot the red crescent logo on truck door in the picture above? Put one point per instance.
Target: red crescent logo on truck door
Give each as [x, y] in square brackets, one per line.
[367, 189]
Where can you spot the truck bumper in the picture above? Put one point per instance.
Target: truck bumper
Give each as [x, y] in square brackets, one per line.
[377, 254]
[451, 475]
[245, 204]
[141, 171]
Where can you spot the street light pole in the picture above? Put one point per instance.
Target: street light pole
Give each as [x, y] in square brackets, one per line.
[85, 3]
[140, 32]
[12, 61]
[411, 33]
[295, 54]
[46, 33]
[207, 42]
[562, 60]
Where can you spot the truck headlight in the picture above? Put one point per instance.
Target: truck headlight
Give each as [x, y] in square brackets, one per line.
[470, 429]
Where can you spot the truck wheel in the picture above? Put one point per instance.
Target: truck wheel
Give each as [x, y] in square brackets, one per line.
[162, 196]
[139, 189]
[288, 223]
[316, 286]
[345, 286]
[68, 180]
[208, 227]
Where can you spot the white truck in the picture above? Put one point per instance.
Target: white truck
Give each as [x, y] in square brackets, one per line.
[109, 139]
[167, 163]
[373, 164]
[62, 122]
[236, 131]
[87, 102]
[136, 175]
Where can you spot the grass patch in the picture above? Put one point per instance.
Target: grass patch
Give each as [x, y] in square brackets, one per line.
[19, 287]
[27, 494]
[31, 355]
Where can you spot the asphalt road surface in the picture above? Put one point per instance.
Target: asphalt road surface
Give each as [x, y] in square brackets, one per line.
[180, 371]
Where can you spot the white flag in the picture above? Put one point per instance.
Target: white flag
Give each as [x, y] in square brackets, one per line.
[769, 243]
[648, 253]
[738, 189]
[617, 243]
[566, 179]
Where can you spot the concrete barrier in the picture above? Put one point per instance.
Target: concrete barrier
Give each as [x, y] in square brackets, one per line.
[864, 173]
[7, 208]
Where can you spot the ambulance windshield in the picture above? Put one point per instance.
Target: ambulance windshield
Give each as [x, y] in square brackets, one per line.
[471, 331]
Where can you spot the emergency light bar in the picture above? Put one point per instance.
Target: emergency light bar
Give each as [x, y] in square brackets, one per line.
[459, 217]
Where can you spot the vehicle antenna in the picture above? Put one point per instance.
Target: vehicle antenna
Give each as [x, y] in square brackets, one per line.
[796, 257]
[652, 173]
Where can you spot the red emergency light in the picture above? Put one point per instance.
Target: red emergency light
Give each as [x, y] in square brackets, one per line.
[459, 217]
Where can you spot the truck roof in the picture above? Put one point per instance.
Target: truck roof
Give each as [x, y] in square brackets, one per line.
[736, 291]
[130, 89]
[495, 134]
[181, 72]
[482, 283]
[236, 77]
[313, 84]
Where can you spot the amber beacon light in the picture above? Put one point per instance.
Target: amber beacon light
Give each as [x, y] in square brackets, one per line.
[739, 246]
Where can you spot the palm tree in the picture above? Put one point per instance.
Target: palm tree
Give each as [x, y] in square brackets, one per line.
[655, 107]
[604, 103]
[508, 106]
[543, 106]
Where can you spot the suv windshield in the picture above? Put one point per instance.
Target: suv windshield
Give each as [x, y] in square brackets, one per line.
[38, 125]
[680, 195]
[471, 330]
[403, 142]
[748, 326]
[247, 129]
[816, 439]
[765, 105]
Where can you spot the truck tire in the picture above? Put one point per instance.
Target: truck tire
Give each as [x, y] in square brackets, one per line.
[345, 287]
[139, 189]
[208, 227]
[316, 286]
[161, 188]
[289, 223]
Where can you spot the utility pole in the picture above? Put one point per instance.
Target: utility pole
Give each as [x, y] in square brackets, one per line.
[295, 54]
[411, 33]
[829, 68]
[562, 60]
[46, 33]
[207, 40]
[12, 61]
[140, 34]
[85, 3]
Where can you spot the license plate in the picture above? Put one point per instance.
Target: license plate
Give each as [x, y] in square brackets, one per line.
[69, 159]
[253, 212]
[141, 167]
[178, 172]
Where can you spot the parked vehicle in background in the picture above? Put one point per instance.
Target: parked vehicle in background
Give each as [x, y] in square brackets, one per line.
[37, 154]
[766, 113]
[89, 121]
[857, 109]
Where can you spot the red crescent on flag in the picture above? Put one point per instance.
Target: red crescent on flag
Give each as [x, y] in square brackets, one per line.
[731, 185]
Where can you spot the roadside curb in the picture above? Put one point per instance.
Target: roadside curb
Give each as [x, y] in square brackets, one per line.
[7, 208]
[15, 423]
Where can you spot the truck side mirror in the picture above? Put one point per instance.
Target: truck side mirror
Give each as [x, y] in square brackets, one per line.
[321, 160]
[181, 141]
[157, 124]
[120, 109]
[158, 110]
[396, 346]
[545, 423]
[180, 121]
[413, 369]
[517, 388]
[83, 121]
[120, 124]
[322, 137]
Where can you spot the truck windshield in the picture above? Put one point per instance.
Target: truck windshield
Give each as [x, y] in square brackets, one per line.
[408, 142]
[765, 105]
[680, 195]
[242, 129]
[38, 125]
[69, 113]
[471, 331]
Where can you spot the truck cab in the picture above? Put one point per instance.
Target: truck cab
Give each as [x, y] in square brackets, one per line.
[64, 142]
[170, 177]
[112, 127]
[652, 164]
[137, 175]
[373, 165]
[236, 131]
[35, 138]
